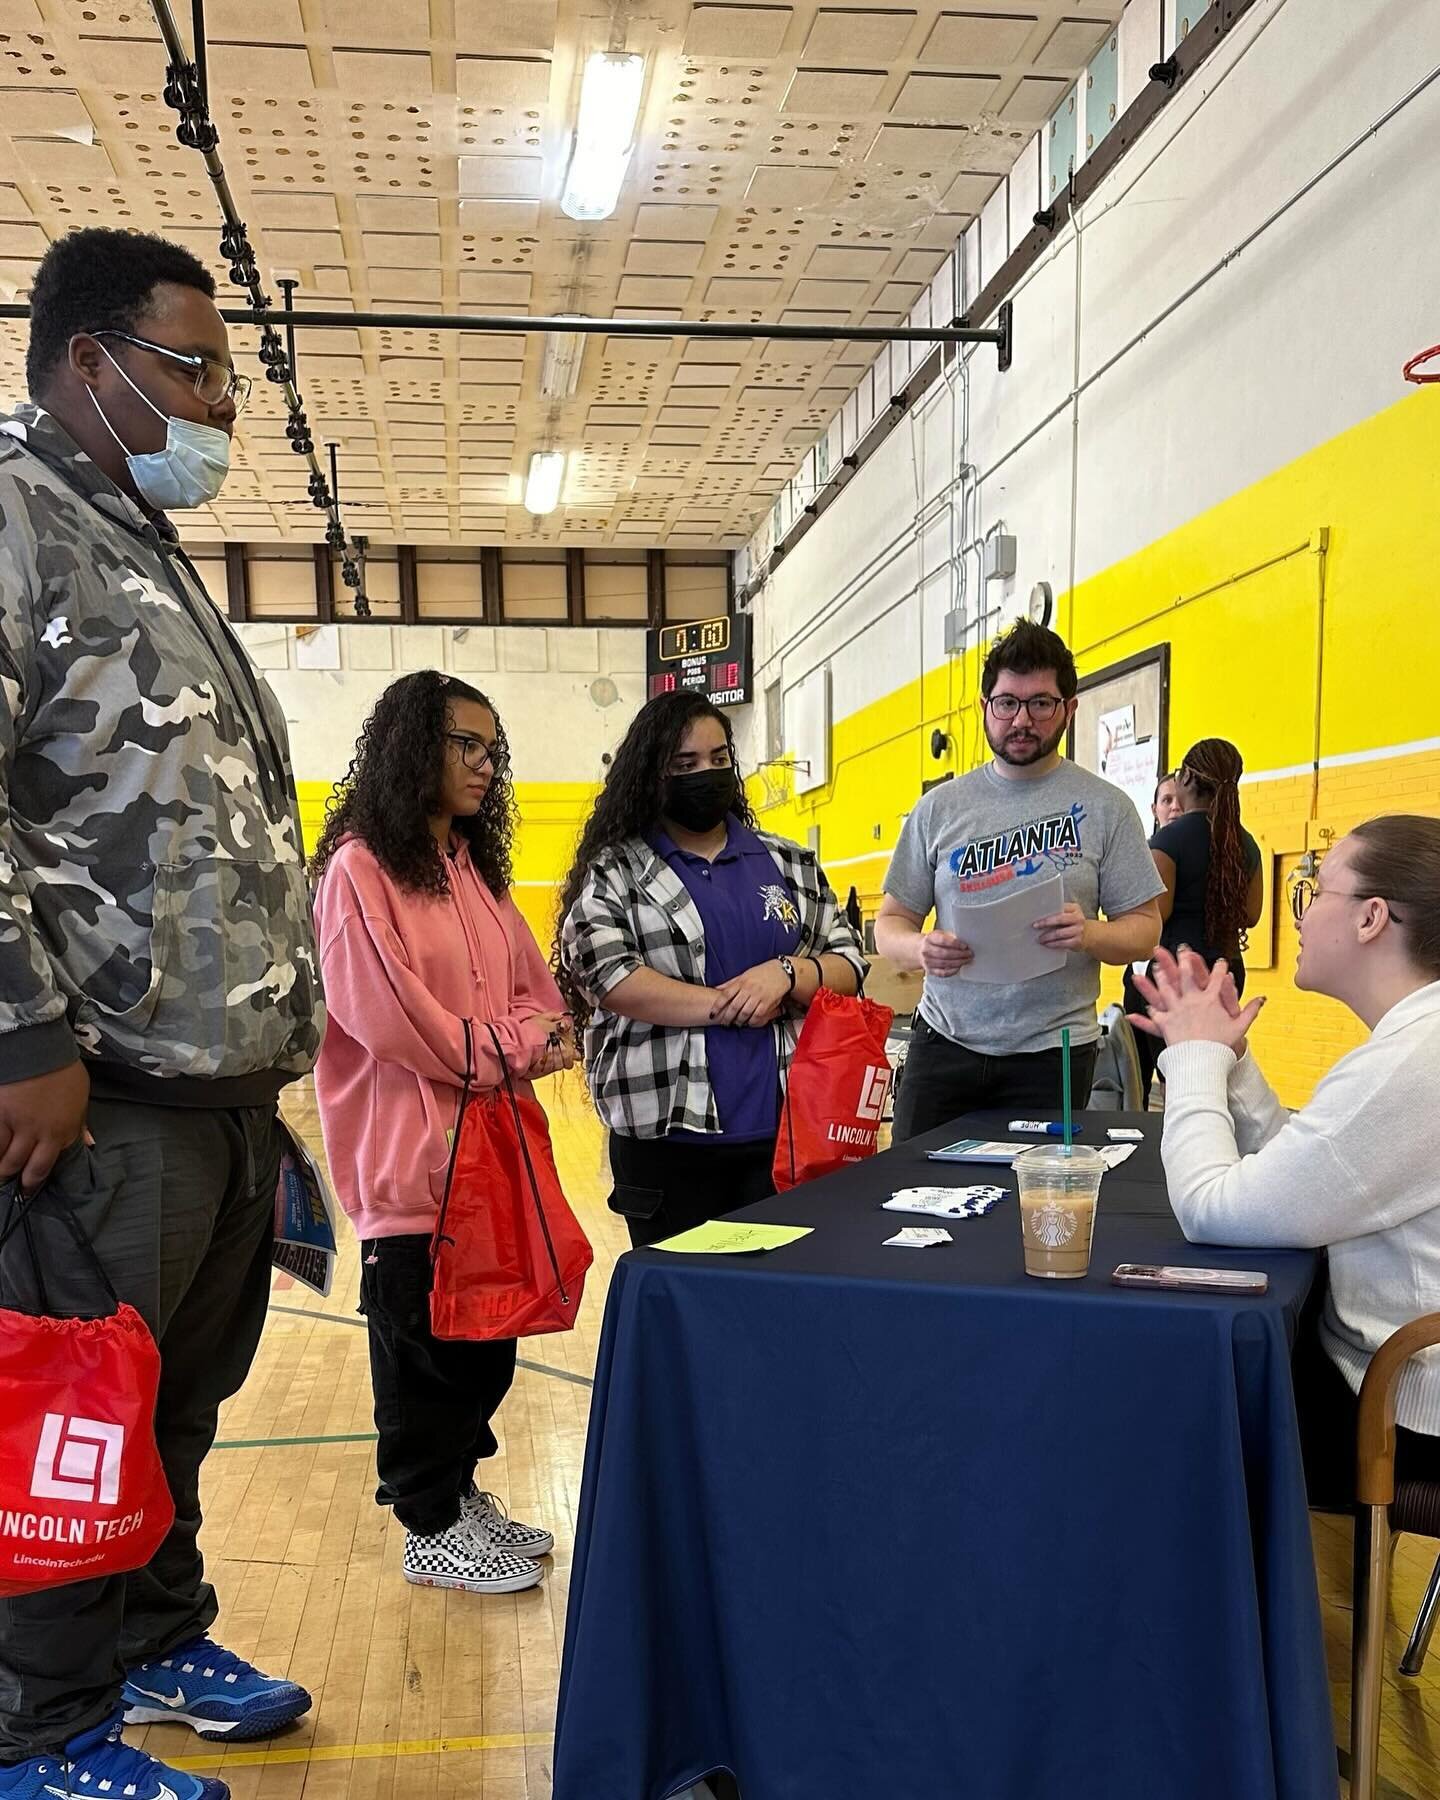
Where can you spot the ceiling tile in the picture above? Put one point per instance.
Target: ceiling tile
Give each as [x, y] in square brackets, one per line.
[920, 265]
[501, 177]
[404, 284]
[711, 375]
[260, 21]
[306, 247]
[510, 82]
[946, 99]
[860, 261]
[401, 249]
[659, 256]
[1072, 44]
[397, 212]
[268, 69]
[919, 146]
[831, 296]
[898, 296]
[499, 217]
[479, 287]
[978, 39]
[52, 160]
[969, 192]
[653, 290]
[744, 31]
[1035, 99]
[517, 26]
[842, 35]
[684, 224]
[45, 112]
[394, 75]
[834, 93]
[378, 21]
[309, 212]
[23, 241]
[779, 184]
[741, 290]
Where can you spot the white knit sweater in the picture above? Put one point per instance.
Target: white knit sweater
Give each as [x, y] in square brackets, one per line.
[1358, 1169]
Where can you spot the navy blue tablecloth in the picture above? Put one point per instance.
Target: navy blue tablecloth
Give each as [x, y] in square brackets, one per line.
[864, 1522]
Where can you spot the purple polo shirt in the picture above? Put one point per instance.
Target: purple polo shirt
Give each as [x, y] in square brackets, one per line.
[750, 916]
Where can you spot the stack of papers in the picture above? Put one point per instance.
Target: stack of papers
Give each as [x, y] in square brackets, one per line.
[946, 1203]
[917, 1237]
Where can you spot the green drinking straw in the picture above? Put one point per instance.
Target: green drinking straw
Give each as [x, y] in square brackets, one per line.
[1065, 1088]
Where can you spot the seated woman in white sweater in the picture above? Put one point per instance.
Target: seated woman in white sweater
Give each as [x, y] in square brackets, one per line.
[1357, 1170]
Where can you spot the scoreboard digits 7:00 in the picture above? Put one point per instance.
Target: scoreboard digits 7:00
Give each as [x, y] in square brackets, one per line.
[706, 656]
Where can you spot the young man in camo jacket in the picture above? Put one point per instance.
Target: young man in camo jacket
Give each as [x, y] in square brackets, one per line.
[158, 978]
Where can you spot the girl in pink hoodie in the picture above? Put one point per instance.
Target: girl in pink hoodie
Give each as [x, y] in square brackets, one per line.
[417, 934]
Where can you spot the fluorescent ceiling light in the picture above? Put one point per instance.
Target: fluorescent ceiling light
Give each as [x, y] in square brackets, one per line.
[560, 371]
[543, 483]
[604, 135]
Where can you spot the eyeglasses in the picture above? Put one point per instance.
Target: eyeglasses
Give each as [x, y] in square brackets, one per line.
[1041, 707]
[215, 382]
[476, 754]
[1304, 894]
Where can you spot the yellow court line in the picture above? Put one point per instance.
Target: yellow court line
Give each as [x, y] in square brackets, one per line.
[318, 1753]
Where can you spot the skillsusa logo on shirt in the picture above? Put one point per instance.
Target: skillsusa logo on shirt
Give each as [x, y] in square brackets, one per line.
[1042, 847]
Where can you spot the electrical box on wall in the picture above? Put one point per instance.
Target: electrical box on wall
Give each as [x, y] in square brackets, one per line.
[956, 627]
[999, 556]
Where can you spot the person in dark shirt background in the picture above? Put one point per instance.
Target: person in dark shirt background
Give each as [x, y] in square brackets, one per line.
[1210, 864]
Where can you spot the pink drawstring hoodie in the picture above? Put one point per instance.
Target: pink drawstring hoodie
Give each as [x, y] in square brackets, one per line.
[402, 973]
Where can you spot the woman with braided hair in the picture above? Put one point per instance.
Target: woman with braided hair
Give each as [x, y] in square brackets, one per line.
[1208, 861]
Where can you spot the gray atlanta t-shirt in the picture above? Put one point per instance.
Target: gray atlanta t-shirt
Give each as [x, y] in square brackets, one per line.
[968, 839]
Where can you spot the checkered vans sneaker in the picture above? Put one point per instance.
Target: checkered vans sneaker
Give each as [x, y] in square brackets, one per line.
[457, 1558]
[488, 1518]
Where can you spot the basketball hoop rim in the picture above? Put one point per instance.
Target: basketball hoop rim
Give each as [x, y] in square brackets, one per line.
[1414, 370]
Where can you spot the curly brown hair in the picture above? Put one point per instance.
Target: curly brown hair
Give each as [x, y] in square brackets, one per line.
[393, 786]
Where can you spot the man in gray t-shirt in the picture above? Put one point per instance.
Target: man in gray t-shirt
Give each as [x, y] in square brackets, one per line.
[1025, 818]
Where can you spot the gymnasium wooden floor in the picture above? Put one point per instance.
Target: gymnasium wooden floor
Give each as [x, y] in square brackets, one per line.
[428, 1695]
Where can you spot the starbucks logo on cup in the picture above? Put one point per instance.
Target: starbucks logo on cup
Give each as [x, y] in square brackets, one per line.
[1054, 1225]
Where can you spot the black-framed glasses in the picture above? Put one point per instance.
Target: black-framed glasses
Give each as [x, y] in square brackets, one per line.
[1042, 708]
[215, 382]
[476, 754]
[1304, 893]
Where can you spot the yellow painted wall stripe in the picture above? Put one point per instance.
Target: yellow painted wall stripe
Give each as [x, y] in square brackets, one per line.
[323, 1753]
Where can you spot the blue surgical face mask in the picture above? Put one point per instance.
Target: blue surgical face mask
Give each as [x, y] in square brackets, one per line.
[189, 471]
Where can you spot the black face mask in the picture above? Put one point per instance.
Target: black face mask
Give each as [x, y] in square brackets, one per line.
[699, 802]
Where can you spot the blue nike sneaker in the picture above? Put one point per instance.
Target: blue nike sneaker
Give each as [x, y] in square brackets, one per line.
[212, 1690]
[101, 1762]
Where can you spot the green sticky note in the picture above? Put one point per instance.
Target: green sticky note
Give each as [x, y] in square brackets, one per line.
[718, 1237]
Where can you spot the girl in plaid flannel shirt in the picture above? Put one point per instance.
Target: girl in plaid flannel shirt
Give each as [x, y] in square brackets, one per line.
[690, 942]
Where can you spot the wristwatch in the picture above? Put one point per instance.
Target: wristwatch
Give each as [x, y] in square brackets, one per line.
[789, 968]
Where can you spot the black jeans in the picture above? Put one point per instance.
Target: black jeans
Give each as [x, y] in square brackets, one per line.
[664, 1185]
[434, 1397]
[943, 1080]
[180, 1204]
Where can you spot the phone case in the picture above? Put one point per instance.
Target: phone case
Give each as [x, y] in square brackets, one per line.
[1202, 1281]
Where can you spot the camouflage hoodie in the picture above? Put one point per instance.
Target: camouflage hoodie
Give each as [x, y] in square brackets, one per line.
[153, 903]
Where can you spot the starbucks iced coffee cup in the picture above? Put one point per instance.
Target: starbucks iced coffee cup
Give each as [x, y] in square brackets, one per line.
[1059, 1188]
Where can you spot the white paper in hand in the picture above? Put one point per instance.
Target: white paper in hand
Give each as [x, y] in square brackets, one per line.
[1001, 932]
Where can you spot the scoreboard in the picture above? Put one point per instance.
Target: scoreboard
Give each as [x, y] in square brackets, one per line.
[707, 656]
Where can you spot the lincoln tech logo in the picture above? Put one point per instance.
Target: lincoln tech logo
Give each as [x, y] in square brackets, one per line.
[873, 1090]
[78, 1460]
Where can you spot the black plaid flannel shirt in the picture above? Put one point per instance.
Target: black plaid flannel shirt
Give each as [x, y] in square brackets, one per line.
[634, 912]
